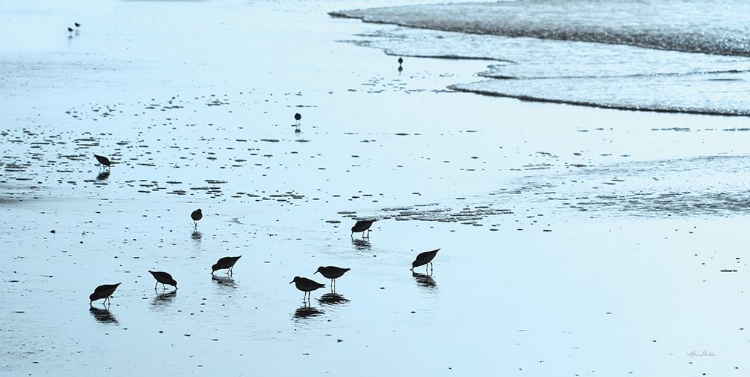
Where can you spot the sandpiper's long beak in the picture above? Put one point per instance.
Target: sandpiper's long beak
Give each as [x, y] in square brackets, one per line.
[315, 272]
[291, 282]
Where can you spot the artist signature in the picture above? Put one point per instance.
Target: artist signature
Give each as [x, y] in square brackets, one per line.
[702, 354]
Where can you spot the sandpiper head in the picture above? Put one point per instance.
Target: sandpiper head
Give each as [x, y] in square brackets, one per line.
[92, 298]
[214, 268]
[295, 279]
[319, 269]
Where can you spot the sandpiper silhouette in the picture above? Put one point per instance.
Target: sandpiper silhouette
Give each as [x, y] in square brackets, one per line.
[333, 273]
[103, 292]
[306, 285]
[226, 263]
[362, 226]
[163, 278]
[424, 258]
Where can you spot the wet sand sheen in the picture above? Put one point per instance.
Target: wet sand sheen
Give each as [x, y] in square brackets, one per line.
[560, 242]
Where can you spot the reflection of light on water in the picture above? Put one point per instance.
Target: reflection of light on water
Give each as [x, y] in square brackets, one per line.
[103, 315]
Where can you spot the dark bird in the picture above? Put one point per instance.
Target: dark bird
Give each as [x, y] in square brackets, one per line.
[226, 263]
[196, 215]
[77, 25]
[424, 258]
[362, 226]
[306, 285]
[163, 278]
[333, 273]
[103, 161]
[103, 292]
[70, 29]
[400, 61]
[297, 117]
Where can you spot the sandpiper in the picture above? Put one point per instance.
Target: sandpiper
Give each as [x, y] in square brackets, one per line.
[333, 273]
[103, 291]
[196, 215]
[163, 278]
[103, 161]
[297, 117]
[424, 258]
[225, 263]
[77, 25]
[306, 285]
[362, 226]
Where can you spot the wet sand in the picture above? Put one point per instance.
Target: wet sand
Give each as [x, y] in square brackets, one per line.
[574, 241]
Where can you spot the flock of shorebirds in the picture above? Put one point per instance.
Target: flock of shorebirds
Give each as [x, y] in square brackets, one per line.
[227, 263]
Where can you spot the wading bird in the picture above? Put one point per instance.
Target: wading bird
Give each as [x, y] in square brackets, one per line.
[306, 285]
[333, 273]
[103, 292]
[362, 226]
[226, 263]
[163, 278]
[424, 258]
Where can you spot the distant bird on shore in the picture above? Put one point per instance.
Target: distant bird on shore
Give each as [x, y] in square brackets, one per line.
[333, 273]
[400, 61]
[70, 29]
[362, 226]
[77, 25]
[226, 263]
[424, 258]
[103, 292]
[196, 215]
[163, 278]
[103, 161]
[306, 285]
[298, 118]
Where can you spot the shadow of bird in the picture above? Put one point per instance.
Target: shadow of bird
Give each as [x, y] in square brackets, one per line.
[163, 278]
[102, 176]
[226, 263]
[224, 281]
[424, 258]
[362, 226]
[306, 285]
[424, 280]
[306, 311]
[103, 292]
[332, 299]
[102, 315]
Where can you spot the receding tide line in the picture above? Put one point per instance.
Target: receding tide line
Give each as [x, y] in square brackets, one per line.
[528, 98]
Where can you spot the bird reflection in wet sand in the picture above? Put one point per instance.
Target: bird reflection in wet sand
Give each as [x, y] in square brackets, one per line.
[226, 281]
[307, 311]
[332, 299]
[196, 235]
[164, 298]
[424, 280]
[361, 244]
[103, 176]
[102, 315]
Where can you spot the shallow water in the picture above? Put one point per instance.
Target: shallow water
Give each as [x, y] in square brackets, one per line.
[667, 56]
[573, 240]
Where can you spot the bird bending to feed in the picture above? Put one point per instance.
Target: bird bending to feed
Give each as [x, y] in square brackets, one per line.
[362, 226]
[196, 215]
[103, 292]
[163, 278]
[297, 117]
[103, 161]
[424, 258]
[226, 263]
[332, 272]
[306, 285]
